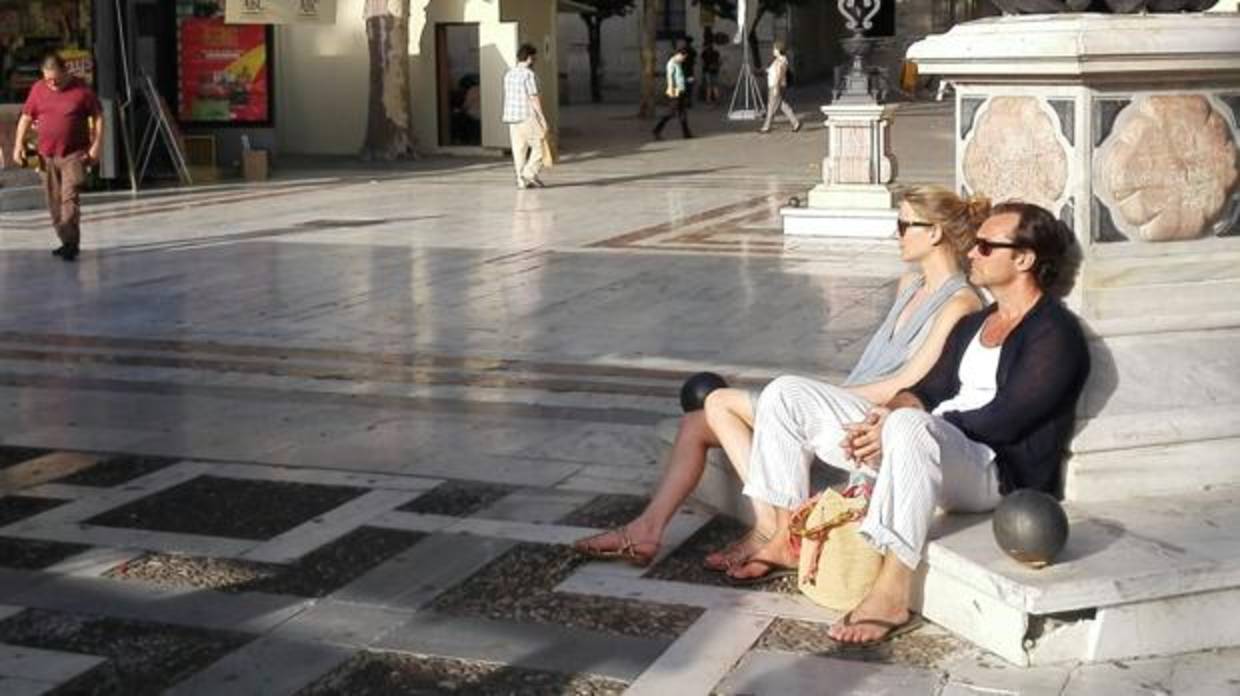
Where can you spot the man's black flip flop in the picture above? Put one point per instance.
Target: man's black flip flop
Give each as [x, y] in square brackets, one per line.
[894, 630]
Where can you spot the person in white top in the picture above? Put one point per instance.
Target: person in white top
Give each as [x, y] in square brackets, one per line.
[994, 415]
[527, 126]
[776, 83]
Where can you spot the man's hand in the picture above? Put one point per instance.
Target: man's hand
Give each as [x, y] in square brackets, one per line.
[92, 156]
[863, 441]
[19, 155]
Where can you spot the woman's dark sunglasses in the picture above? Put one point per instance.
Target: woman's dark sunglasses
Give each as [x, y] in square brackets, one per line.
[985, 246]
[903, 225]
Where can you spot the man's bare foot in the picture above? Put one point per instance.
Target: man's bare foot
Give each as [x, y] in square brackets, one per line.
[632, 543]
[720, 561]
[872, 620]
[775, 554]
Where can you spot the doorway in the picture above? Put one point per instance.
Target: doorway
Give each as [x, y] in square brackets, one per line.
[458, 73]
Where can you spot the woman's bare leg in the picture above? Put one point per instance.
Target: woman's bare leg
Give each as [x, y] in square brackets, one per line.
[685, 465]
[730, 415]
[684, 470]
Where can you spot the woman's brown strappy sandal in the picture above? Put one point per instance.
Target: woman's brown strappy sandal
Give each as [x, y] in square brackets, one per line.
[628, 551]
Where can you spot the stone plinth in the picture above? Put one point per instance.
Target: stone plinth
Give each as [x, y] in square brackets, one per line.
[853, 199]
[1126, 127]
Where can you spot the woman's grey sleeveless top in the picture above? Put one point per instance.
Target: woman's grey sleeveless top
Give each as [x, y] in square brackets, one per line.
[890, 347]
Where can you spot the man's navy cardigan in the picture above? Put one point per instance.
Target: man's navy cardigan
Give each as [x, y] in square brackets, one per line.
[1042, 369]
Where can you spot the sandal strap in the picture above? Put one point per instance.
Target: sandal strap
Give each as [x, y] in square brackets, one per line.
[626, 543]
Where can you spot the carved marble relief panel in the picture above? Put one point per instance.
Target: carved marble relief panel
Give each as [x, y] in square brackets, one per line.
[1167, 169]
[1015, 152]
[855, 156]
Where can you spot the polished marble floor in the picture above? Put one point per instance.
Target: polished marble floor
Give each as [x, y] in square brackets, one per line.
[431, 318]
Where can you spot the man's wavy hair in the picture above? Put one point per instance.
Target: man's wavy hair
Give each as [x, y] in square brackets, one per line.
[1041, 232]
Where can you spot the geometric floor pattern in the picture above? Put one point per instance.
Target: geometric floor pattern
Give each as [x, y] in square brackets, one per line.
[370, 584]
[353, 583]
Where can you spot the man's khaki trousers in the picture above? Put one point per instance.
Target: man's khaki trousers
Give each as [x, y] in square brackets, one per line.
[63, 178]
[527, 148]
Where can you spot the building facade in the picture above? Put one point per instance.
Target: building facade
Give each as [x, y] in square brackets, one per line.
[459, 51]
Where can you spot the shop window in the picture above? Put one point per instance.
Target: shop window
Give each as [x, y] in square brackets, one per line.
[30, 30]
[223, 69]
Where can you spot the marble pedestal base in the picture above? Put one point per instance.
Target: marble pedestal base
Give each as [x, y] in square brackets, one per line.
[853, 200]
[840, 222]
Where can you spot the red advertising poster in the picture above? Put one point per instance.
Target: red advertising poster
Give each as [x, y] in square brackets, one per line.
[223, 71]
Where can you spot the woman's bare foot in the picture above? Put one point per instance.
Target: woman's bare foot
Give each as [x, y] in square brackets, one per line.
[736, 552]
[775, 554]
[633, 543]
[872, 620]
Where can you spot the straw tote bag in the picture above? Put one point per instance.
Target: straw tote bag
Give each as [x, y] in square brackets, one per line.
[837, 567]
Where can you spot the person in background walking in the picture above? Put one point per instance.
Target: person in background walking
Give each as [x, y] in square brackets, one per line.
[776, 83]
[69, 121]
[677, 94]
[710, 72]
[527, 126]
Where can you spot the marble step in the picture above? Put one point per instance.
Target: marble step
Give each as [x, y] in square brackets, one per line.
[21, 198]
[1162, 264]
[1163, 399]
[1158, 299]
[1140, 577]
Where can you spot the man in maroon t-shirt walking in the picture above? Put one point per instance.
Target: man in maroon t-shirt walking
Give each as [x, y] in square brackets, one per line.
[60, 107]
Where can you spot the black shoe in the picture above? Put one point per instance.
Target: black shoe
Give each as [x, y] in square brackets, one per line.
[657, 135]
[59, 251]
[68, 253]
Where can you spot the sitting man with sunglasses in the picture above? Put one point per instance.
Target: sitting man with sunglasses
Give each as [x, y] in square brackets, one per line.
[993, 415]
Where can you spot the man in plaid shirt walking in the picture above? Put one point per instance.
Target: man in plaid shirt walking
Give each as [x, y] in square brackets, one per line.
[527, 127]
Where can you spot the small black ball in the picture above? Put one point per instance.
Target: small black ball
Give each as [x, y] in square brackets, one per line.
[1031, 527]
[696, 388]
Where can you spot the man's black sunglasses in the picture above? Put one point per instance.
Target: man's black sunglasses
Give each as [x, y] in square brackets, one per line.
[903, 225]
[985, 246]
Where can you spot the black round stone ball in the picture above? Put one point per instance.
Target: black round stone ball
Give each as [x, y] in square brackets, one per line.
[696, 388]
[1031, 527]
